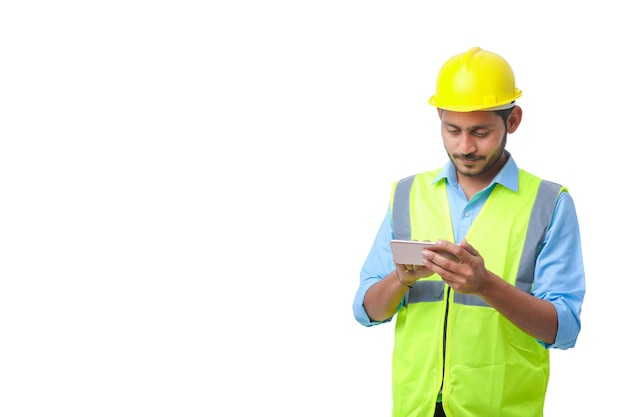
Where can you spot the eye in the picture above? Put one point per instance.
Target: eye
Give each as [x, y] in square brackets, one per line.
[481, 133]
[453, 131]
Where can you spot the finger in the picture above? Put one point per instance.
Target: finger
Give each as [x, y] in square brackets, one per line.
[469, 248]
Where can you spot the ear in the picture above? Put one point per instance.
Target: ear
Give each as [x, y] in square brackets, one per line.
[514, 120]
[439, 112]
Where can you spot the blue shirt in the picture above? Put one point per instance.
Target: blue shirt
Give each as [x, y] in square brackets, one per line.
[559, 272]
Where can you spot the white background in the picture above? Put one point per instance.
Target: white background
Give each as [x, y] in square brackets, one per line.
[188, 191]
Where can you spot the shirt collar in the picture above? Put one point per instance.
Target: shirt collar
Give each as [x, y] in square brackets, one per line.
[507, 177]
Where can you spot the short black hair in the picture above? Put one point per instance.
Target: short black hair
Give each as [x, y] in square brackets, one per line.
[504, 114]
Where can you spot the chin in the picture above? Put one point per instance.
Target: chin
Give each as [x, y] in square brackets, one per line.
[469, 172]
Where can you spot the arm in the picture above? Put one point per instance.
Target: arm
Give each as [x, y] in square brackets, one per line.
[377, 268]
[552, 313]
[380, 293]
[536, 317]
[382, 299]
[532, 315]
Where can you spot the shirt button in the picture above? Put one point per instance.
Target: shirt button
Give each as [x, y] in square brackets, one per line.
[467, 214]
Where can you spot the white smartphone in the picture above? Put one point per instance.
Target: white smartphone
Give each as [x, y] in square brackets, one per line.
[409, 252]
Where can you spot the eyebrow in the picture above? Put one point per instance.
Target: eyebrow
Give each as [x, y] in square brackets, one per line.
[475, 127]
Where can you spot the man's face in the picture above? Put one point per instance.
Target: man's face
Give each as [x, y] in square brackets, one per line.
[474, 141]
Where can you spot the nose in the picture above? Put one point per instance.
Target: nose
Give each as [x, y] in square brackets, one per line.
[467, 144]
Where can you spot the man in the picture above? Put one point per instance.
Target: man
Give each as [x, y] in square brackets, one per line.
[504, 282]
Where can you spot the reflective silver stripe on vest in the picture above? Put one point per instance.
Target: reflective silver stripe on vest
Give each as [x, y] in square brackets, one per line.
[425, 291]
[401, 214]
[540, 218]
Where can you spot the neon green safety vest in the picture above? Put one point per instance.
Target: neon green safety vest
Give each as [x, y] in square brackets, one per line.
[455, 344]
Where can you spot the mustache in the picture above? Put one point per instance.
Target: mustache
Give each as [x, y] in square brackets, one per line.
[468, 157]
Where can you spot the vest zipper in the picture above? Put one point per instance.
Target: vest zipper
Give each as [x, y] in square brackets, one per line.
[445, 334]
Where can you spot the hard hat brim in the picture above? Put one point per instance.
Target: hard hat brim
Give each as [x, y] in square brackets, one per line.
[501, 105]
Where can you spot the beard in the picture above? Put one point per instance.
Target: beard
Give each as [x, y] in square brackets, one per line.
[460, 161]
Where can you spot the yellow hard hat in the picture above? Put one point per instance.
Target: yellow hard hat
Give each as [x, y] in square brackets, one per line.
[475, 80]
